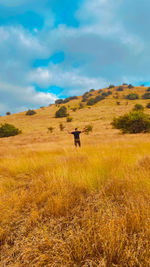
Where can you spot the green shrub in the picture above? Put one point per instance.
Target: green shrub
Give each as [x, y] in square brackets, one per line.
[69, 119]
[132, 96]
[148, 105]
[91, 102]
[133, 122]
[85, 96]
[146, 96]
[59, 101]
[120, 88]
[92, 90]
[30, 112]
[81, 105]
[130, 86]
[138, 107]
[74, 109]
[61, 127]
[50, 129]
[111, 86]
[7, 130]
[61, 112]
[88, 128]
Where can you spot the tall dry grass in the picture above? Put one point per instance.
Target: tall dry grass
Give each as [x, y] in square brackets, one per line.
[84, 207]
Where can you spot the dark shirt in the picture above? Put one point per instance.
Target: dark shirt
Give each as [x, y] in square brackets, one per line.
[76, 135]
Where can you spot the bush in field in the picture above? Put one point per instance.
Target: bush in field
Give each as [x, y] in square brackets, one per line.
[130, 86]
[138, 107]
[148, 105]
[30, 112]
[59, 101]
[92, 90]
[148, 89]
[61, 112]
[132, 96]
[146, 96]
[74, 109]
[133, 122]
[61, 127]
[118, 103]
[81, 105]
[7, 130]
[111, 86]
[8, 113]
[88, 128]
[119, 89]
[50, 129]
[91, 102]
[69, 119]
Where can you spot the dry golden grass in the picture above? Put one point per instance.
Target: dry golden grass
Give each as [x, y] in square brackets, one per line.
[67, 207]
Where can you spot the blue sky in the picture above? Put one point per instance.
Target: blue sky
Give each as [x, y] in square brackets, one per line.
[55, 48]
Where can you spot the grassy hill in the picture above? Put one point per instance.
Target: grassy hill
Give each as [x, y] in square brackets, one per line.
[61, 206]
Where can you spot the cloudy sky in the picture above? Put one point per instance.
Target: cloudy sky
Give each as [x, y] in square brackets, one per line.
[57, 48]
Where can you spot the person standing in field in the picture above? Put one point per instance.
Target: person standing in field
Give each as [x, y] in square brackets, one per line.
[76, 134]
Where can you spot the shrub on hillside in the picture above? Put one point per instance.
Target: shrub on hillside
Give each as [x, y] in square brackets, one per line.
[148, 105]
[61, 112]
[66, 100]
[30, 112]
[7, 130]
[130, 86]
[138, 107]
[133, 96]
[91, 102]
[81, 105]
[59, 101]
[148, 89]
[8, 113]
[50, 129]
[61, 127]
[120, 88]
[92, 90]
[124, 84]
[111, 86]
[69, 119]
[118, 103]
[88, 128]
[74, 109]
[133, 122]
[146, 96]
[85, 96]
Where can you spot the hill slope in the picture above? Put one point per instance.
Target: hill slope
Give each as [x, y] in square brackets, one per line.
[64, 207]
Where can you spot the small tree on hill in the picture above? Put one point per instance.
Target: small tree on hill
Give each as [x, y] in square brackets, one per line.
[8, 113]
[7, 130]
[138, 107]
[132, 96]
[61, 127]
[69, 119]
[51, 129]
[146, 96]
[133, 122]
[88, 128]
[30, 112]
[130, 86]
[61, 112]
[148, 105]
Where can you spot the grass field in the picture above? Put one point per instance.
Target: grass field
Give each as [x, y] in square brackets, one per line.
[67, 207]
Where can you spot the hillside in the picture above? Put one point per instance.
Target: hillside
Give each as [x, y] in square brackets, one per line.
[67, 207]
[100, 115]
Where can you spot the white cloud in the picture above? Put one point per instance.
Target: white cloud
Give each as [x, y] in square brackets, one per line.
[17, 97]
[71, 80]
